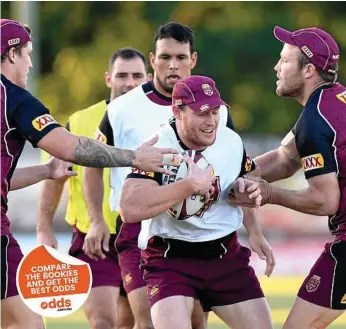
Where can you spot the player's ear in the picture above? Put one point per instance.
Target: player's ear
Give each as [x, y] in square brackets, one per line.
[12, 55]
[309, 70]
[152, 60]
[194, 57]
[108, 79]
[176, 112]
[149, 77]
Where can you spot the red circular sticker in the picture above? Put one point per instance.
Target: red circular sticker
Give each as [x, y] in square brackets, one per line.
[51, 283]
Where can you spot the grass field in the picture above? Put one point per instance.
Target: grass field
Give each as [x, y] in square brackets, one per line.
[280, 291]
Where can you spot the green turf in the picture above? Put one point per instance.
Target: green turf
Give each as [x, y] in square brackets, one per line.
[77, 320]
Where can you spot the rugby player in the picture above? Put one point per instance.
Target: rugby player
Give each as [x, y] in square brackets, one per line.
[127, 70]
[128, 123]
[307, 71]
[197, 257]
[24, 117]
[130, 120]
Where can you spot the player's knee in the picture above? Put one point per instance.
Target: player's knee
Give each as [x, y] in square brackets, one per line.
[33, 322]
[103, 323]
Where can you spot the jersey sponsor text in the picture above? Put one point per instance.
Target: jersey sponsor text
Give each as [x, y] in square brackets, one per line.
[43, 121]
[314, 161]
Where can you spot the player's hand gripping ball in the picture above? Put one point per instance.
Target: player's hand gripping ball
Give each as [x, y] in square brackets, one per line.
[191, 205]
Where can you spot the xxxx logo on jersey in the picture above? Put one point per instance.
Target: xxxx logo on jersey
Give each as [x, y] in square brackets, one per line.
[43, 121]
[314, 161]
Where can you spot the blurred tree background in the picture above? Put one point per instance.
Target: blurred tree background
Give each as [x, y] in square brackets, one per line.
[234, 40]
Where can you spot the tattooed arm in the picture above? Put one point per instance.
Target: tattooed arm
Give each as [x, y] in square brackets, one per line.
[88, 152]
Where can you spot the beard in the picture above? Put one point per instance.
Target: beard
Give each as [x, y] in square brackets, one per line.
[165, 86]
[290, 88]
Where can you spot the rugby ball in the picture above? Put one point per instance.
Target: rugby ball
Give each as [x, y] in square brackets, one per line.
[191, 205]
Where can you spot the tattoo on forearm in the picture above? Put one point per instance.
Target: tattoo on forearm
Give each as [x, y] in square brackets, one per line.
[90, 153]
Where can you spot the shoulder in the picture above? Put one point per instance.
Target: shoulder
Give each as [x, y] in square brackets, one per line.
[333, 99]
[228, 136]
[17, 96]
[125, 102]
[167, 137]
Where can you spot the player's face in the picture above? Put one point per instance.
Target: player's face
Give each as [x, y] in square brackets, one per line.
[125, 75]
[171, 62]
[199, 130]
[23, 64]
[290, 81]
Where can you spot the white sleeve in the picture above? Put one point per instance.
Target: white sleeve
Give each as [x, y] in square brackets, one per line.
[114, 111]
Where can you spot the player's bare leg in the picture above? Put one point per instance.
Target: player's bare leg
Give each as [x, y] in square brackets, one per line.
[199, 318]
[16, 315]
[138, 300]
[125, 318]
[254, 313]
[173, 312]
[305, 315]
[100, 307]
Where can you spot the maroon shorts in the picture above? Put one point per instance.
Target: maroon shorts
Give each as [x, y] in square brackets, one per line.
[105, 272]
[11, 255]
[216, 272]
[130, 256]
[326, 283]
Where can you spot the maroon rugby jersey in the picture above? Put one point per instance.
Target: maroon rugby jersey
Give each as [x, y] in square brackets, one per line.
[23, 117]
[320, 135]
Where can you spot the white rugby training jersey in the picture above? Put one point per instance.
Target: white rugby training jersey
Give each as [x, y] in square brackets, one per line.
[229, 160]
[132, 119]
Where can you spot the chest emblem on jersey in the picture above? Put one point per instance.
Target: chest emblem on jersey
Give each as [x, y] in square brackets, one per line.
[342, 97]
[343, 299]
[314, 161]
[213, 198]
[43, 121]
[313, 283]
[100, 136]
[207, 89]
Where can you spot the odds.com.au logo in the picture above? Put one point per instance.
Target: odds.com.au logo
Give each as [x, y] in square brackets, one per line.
[62, 304]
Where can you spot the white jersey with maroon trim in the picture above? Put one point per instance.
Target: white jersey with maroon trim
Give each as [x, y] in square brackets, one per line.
[217, 219]
[134, 118]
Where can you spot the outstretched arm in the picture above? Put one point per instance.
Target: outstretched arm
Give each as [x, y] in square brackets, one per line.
[279, 164]
[91, 153]
[26, 176]
[321, 198]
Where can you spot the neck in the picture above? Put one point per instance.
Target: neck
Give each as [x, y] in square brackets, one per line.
[308, 90]
[160, 89]
[7, 72]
